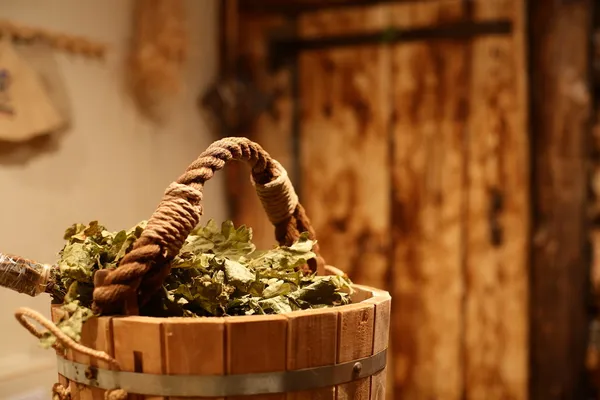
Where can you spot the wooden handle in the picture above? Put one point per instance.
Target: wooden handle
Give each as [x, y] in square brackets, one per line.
[142, 271]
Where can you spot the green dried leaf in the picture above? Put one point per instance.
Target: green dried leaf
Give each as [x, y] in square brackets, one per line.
[217, 272]
[276, 305]
[323, 290]
[226, 242]
[238, 275]
[285, 258]
[277, 287]
[73, 230]
[77, 262]
[71, 324]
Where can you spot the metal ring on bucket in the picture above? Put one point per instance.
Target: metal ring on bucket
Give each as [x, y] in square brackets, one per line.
[223, 385]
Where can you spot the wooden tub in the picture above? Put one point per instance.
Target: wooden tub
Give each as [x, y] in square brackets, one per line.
[197, 350]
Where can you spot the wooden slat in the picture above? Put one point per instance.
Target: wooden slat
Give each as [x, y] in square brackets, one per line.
[312, 342]
[497, 231]
[56, 314]
[256, 344]
[253, 6]
[496, 350]
[428, 205]
[97, 334]
[355, 340]
[344, 149]
[426, 13]
[378, 18]
[561, 110]
[194, 346]
[348, 21]
[381, 336]
[139, 347]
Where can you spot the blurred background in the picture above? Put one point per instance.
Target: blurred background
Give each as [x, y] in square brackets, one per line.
[110, 162]
[445, 150]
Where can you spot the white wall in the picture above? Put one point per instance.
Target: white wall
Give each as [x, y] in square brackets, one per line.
[111, 165]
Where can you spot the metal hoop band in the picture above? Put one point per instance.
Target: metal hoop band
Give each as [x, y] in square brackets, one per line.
[222, 385]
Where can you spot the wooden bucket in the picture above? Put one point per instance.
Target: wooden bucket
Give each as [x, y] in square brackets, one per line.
[330, 353]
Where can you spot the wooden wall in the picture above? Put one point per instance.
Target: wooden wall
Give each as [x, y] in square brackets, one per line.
[561, 126]
[413, 159]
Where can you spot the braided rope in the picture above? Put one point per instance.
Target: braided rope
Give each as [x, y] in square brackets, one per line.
[270, 195]
[116, 394]
[22, 314]
[142, 271]
[59, 392]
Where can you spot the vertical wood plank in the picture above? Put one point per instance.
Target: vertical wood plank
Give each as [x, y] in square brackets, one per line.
[312, 342]
[256, 344]
[427, 211]
[97, 334]
[355, 340]
[381, 336]
[344, 97]
[138, 344]
[496, 352]
[561, 110]
[194, 346]
[56, 315]
[497, 230]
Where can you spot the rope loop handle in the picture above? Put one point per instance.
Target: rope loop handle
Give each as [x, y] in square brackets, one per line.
[143, 270]
[23, 315]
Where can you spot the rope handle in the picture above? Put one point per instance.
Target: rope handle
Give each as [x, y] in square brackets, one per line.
[24, 314]
[59, 392]
[143, 270]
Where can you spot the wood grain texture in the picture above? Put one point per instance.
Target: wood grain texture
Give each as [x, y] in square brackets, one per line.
[194, 347]
[139, 346]
[272, 129]
[97, 334]
[433, 134]
[496, 352]
[317, 24]
[427, 213]
[561, 110]
[355, 340]
[497, 227]
[312, 342]
[344, 153]
[56, 315]
[256, 344]
[381, 337]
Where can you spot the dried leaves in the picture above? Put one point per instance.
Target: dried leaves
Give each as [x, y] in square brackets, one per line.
[218, 272]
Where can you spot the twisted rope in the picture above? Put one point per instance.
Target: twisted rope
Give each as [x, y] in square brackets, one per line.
[23, 314]
[142, 271]
[115, 394]
[59, 392]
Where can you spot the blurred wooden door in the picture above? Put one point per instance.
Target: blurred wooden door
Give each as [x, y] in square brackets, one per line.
[403, 125]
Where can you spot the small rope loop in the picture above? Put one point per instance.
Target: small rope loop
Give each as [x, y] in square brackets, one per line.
[23, 314]
[59, 392]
